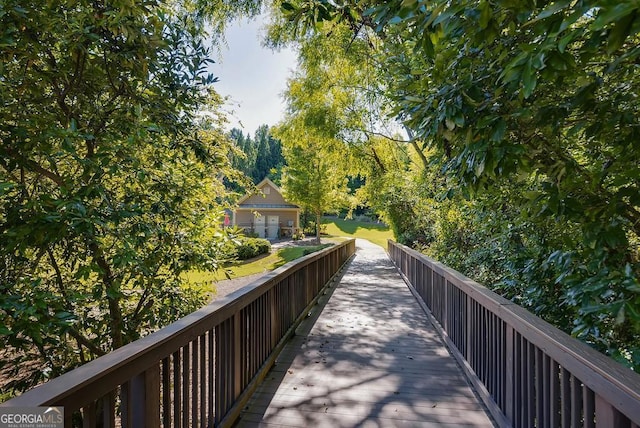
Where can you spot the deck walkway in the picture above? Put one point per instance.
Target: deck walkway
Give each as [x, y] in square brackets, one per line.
[368, 358]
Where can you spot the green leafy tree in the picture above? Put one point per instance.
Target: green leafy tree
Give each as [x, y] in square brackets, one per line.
[529, 105]
[262, 154]
[312, 179]
[339, 93]
[244, 159]
[268, 154]
[109, 184]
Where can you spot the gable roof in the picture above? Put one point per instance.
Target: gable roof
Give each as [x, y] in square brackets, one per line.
[264, 183]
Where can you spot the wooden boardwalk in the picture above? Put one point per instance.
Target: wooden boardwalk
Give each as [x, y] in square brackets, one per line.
[368, 357]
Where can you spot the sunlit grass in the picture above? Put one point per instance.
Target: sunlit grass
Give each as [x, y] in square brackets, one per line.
[336, 228]
[373, 232]
[254, 266]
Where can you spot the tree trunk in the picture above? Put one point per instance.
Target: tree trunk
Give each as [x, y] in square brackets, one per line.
[112, 295]
[318, 220]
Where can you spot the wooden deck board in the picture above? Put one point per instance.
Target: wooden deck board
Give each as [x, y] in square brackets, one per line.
[368, 357]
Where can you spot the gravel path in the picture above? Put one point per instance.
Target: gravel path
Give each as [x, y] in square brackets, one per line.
[228, 286]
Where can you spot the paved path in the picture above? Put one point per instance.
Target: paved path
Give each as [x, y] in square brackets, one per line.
[368, 358]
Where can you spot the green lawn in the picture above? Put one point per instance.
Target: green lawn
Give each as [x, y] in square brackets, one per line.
[261, 264]
[376, 233]
[335, 228]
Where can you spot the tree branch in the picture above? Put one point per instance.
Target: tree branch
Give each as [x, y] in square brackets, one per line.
[35, 167]
[59, 279]
[85, 342]
[423, 158]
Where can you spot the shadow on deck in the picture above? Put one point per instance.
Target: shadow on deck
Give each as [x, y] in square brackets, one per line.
[367, 356]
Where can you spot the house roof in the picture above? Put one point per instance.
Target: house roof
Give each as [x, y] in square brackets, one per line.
[260, 186]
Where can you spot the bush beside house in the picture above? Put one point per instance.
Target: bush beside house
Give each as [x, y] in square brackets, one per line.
[244, 248]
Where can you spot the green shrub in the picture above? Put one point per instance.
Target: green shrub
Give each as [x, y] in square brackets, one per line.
[245, 248]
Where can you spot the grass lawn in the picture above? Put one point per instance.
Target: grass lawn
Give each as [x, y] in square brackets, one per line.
[335, 227]
[376, 233]
[260, 264]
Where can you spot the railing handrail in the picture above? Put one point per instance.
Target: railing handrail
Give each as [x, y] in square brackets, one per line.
[107, 372]
[610, 380]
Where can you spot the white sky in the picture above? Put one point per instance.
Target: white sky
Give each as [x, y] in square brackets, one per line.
[252, 76]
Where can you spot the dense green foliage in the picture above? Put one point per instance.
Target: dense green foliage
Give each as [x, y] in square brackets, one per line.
[521, 166]
[260, 157]
[109, 182]
[311, 179]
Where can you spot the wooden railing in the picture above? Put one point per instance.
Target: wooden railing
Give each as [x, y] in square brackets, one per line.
[529, 373]
[201, 370]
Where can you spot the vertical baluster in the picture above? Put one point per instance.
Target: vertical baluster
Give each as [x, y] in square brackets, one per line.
[566, 398]
[496, 361]
[177, 390]
[501, 367]
[451, 314]
[266, 332]
[469, 352]
[576, 402]
[195, 377]
[478, 340]
[166, 392]
[89, 416]
[203, 381]
[547, 381]
[186, 376]
[109, 409]
[539, 392]
[555, 396]
[530, 393]
[239, 359]
[589, 407]
[510, 380]
[274, 316]
[473, 337]
[220, 371]
[523, 383]
[68, 419]
[261, 328]
[486, 345]
[212, 378]
[125, 413]
[485, 341]
[252, 338]
[246, 347]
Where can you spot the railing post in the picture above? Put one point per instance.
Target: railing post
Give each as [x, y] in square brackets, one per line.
[469, 351]
[142, 396]
[606, 415]
[152, 388]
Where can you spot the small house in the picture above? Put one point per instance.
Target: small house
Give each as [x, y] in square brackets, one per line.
[266, 213]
